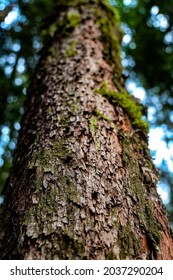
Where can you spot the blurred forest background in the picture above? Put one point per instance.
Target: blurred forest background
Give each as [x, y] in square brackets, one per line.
[147, 57]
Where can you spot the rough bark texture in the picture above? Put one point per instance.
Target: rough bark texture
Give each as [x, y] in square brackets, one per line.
[82, 184]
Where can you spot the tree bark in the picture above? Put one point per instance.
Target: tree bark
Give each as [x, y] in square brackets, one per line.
[83, 185]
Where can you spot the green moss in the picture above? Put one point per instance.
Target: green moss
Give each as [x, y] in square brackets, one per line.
[58, 151]
[69, 22]
[62, 151]
[136, 189]
[49, 111]
[50, 30]
[101, 115]
[150, 224]
[92, 125]
[97, 145]
[65, 241]
[63, 27]
[71, 50]
[72, 19]
[46, 163]
[74, 108]
[110, 255]
[107, 20]
[128, 242]
[111, 35]
[132, 109]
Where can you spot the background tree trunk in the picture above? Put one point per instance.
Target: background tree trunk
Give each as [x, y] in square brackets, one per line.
[82, 184]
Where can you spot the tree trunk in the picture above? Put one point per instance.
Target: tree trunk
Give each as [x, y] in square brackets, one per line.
[83, 185]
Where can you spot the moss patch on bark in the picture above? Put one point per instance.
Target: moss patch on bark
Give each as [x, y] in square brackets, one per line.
[124, 100]
[136, 189]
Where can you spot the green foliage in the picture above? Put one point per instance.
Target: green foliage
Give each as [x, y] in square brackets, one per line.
[132, 109]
